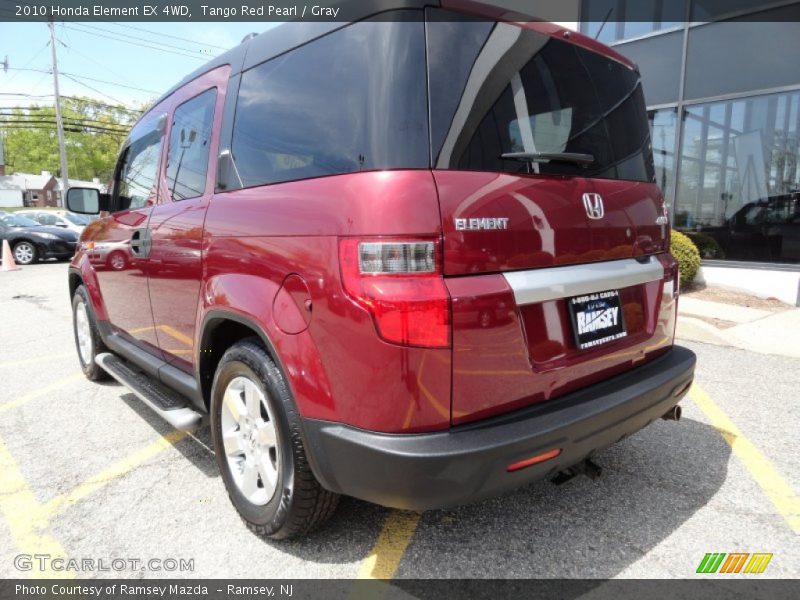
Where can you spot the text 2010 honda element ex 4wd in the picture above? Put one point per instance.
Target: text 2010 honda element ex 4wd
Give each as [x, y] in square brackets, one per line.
[419, 259]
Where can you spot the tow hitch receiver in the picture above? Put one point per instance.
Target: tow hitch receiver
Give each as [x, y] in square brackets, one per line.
[586, 467]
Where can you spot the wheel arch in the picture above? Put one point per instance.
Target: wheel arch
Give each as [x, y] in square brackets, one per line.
[82, 273]
[74, 280]
[38, 245]
[220, 330]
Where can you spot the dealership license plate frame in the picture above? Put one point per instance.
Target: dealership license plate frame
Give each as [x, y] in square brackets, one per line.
[607, 299]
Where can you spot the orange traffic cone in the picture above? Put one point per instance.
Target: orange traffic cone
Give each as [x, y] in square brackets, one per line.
[8, 259]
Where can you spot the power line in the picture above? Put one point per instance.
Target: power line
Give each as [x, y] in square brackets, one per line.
[114, 83]
[92, 101]
[104, 68]
[139, 39]
[168, 35]
[33, 58]
[37, 124]
[95, 90]
[75, 120]
[78, 119]
[29, 70]
[27, 95]
[11, 17]
[138, 44]
[130, 112]
[67, 128]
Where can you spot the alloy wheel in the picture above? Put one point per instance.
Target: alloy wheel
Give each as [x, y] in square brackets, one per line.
[24, 253]
[83, 332]
[250, 440]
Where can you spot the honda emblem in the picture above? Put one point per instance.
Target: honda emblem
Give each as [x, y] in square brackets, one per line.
[593, 203]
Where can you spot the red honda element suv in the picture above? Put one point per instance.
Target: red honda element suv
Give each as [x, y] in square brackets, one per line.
[419, 259]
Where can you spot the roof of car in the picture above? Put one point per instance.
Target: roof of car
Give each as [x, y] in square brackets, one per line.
[291, 34]
[284, 37]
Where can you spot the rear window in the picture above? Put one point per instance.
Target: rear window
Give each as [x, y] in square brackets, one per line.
[497, 88]
[352, 100]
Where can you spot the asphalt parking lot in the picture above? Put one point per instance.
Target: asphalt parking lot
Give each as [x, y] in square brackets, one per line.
[87, 472]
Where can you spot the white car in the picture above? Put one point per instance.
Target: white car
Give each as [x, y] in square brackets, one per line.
[58, 218]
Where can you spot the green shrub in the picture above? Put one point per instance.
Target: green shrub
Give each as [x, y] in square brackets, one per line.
[707, 246]
[685, 252]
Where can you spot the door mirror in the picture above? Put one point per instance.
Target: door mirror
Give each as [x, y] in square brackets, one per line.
[86, 201]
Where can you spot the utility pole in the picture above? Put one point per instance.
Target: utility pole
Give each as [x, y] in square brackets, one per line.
[59, 123]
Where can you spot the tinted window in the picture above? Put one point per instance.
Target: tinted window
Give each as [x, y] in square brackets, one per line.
[352, 100]
[527, 92]
[136, 178]
[187, 162]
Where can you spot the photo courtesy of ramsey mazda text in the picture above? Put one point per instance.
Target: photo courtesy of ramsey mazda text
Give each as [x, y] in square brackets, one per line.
[419, 259]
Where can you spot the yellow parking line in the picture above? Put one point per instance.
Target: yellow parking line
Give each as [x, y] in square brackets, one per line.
[386, 554]
[761, 468]
[38, 359]
[42, 391]
[174, 333]
[28, 520]
[21, 511]
[115, 471]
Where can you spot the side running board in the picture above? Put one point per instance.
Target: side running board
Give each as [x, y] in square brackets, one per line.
[168, 404]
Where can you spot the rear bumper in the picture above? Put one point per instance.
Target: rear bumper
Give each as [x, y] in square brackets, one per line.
[468, 463]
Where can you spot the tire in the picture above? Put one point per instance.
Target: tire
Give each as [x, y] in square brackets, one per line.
[92, 342]
[297, 503]
[117, 261]
[25, 253]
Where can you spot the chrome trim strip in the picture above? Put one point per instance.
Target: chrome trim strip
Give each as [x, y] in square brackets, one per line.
[540, 285]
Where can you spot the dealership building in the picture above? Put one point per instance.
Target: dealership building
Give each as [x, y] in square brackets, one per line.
[724, 106]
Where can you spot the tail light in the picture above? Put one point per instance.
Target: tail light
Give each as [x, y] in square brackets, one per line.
[672, 278]
[400, 283]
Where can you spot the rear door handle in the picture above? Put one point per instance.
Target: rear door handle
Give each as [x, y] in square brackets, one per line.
[140, 242]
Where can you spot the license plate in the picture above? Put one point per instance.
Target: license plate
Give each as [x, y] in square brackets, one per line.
[596, 319]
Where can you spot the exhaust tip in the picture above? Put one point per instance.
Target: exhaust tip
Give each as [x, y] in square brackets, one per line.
[673, 414]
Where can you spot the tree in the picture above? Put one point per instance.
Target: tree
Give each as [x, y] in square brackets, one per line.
[93, 133]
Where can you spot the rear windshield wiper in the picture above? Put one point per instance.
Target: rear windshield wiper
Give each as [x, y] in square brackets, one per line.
[574, 157]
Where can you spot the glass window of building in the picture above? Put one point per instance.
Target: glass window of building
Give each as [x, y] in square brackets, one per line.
[663, 126]
[626, 19]
[739, 176]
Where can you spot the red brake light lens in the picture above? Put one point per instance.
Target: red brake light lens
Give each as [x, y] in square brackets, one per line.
[400, 283]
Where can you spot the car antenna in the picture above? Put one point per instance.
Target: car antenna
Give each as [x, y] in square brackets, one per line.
[603, 24]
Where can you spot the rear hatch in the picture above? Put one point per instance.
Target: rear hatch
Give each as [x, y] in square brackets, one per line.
[551, 219]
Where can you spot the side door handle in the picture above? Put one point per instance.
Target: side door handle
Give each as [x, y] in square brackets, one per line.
[140, 242]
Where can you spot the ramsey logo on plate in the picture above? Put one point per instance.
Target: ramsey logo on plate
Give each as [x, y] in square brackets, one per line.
[596, 318]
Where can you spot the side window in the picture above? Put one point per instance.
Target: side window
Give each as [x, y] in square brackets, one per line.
[136, 175]
[352, 100]
[187, 162]
[46, 219]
